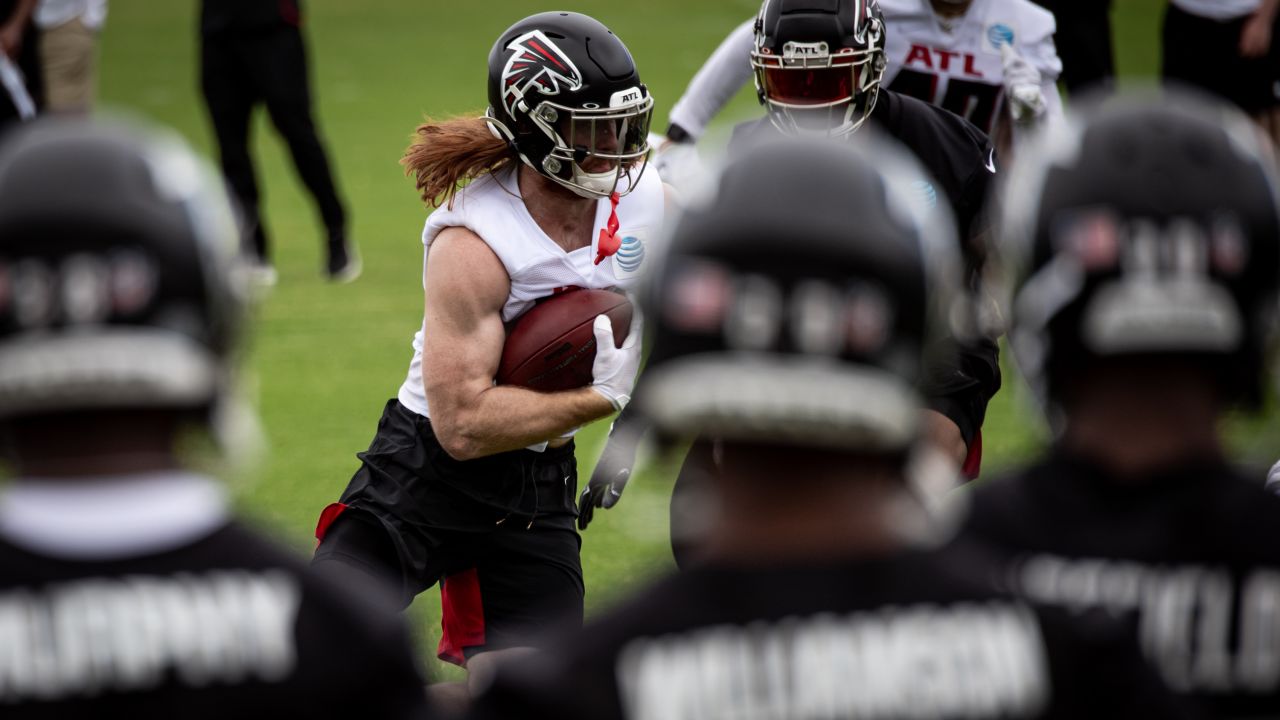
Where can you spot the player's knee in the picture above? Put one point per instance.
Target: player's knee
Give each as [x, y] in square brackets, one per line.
[481, 667]
[355, 549]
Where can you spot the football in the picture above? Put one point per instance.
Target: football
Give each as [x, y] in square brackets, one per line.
[552, 346]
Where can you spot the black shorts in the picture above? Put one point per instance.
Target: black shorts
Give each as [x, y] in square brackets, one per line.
[1205, 54]
[497, 532]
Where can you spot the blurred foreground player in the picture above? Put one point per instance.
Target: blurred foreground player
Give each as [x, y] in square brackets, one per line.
[1147, 237]
[819, 599]
[126, 588]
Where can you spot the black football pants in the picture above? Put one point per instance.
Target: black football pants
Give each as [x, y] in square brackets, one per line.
[1083, 40]
[238, 70]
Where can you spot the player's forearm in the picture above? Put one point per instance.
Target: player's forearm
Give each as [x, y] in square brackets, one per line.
[727, 70]
[506, 418]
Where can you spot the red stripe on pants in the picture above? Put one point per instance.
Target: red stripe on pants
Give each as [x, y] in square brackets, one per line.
[327, 516]
[973, 460]
[462, 616]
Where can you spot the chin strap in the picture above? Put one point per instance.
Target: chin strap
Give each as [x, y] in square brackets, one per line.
[609, 240]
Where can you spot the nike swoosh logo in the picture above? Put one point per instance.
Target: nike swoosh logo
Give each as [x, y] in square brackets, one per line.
[991, 161]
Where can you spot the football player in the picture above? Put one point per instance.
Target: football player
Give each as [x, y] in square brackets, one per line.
[818, 69]
[466, 482]
[988, 61]
[1146, 235]
[793, 319]
[127, 589]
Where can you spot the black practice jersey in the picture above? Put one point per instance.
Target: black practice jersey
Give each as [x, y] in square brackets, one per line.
[961, 161]
[1189, 558]
[954, 151]
[958, 156]
[224, 627]
[907, 636]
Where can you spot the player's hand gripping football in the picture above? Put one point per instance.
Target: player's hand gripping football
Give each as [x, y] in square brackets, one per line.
[612, 470]
[614, 371]
[1022, 86]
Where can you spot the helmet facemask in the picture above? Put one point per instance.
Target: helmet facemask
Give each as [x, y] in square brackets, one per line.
[809, 90]
[596, 152]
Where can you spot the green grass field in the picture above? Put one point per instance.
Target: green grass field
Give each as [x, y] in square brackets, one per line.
[323, 359]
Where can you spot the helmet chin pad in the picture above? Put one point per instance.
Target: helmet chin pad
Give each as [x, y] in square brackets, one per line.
[593, 183]
[585, 184]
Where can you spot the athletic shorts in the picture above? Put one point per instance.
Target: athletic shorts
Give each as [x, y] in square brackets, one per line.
[1205, 54]
[503, 546]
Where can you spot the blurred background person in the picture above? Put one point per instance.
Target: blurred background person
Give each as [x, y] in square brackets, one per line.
[127, 588]
[69, 31]
[1146, 238]
[251, 53]
[793, 320]
[20, 86]
[1224, 47]
[1084, 42]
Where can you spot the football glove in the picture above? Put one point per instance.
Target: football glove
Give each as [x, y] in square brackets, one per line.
[614, 370]
[677, 163]
[612, 470]
[1022, 86]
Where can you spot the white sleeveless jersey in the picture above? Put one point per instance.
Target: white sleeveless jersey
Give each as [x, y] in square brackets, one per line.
[960, 68]
[491, 207]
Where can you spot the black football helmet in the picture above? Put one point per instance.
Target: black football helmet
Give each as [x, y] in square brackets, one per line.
[1147, 225]
[798, 306]
[566, 95]
[120, 280]
[818, 63]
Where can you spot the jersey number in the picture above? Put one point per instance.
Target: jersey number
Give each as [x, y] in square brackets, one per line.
[973, 101]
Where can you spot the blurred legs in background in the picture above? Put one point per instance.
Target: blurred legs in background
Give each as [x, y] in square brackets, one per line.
[241, 69]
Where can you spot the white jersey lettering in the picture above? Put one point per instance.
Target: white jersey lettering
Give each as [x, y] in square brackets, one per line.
[966, 660]
[126, 634]
[1185, 616]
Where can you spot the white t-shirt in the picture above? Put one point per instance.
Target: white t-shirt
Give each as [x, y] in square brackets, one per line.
[52, 13]
[492, 208]
[1218, 9]
[964, 61]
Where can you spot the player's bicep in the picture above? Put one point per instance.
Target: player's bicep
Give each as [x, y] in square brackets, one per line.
[466, 286]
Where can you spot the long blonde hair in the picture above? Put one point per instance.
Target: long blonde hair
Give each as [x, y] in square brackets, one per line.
[449, 153]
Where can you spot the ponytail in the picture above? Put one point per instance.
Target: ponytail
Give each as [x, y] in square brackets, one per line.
[446, 154]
